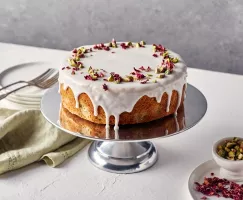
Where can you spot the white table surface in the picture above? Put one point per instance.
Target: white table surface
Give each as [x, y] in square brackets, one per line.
[178, 155]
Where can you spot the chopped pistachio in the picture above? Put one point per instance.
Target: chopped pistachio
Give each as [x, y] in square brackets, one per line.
[111, 78]
[157, 70]
[114, 45]
[138, 45]
[161, 75]
[90, 70]
[77, 58]
[110, 44]
[80, 65]
[165, 54]
[129, 43]
[231, 154]
[230, 144]
[154, 81]
[167, 72]
[222, 153]
[72, 62]
[142, 43]
[231, 150]
[175, 60]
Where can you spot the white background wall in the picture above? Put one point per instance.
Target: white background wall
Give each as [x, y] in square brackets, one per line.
[207, 33]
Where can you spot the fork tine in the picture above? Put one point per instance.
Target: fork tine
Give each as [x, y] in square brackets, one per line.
[46, 76]
[36, 78]
[48, 83]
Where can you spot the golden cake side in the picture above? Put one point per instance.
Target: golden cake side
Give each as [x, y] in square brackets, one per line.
[145, 110]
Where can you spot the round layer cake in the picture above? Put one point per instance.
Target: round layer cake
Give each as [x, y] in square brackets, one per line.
[122, 83]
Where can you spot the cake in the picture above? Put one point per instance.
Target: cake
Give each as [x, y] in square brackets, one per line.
[122, 83]
[157, 128]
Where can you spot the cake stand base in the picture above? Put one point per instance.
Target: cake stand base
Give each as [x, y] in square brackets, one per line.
[123, 157]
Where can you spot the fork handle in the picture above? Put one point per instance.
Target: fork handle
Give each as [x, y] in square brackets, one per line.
[17, 82]
[2, 96]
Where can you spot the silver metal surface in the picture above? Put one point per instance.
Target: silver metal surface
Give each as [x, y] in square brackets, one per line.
[123, 157]
[127, 150]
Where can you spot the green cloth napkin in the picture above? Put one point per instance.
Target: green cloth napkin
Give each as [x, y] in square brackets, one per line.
[26, 137]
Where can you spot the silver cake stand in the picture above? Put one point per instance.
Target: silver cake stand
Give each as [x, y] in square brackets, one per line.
[129, 150]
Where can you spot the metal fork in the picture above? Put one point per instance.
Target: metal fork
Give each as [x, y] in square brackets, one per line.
[43, 82]
[28, 82]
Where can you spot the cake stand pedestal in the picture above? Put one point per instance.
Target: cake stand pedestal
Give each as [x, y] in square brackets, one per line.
[123, 157]
[128, 152]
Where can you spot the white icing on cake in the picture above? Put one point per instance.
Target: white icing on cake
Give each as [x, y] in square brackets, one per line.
[122, 97]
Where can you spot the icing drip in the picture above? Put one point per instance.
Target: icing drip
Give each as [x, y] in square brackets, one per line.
[176, 123]
[168, 103]
[122, 97]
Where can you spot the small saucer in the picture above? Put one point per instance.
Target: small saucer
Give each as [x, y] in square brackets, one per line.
[204, 170]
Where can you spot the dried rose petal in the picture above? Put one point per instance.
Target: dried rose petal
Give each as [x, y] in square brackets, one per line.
[140, 76]
[136, 70]
[101, 74]
[63, 68]
[103, 70]
[148, 69]
[75, 51]
[105, 87]
[73, 72]
[155, 55]
[142, 68]
[68, 67]
[220, 187]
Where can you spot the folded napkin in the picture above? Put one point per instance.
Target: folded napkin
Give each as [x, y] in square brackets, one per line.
[26, 137]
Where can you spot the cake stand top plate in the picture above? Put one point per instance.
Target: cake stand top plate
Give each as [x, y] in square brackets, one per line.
[195, 106]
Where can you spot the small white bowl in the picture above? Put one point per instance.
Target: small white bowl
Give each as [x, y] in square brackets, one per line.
[229, 169]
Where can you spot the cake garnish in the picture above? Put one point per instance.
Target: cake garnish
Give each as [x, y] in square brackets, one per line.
[73, 73]
[111, 78]
[113, 43]
[174, 60]
[148, 69]
[136, 70]
[89, 77]
[129, 44]
[142, 43]
[143, 82]
[139, 74]
[161, 75]
[105, 87]
[138, 45]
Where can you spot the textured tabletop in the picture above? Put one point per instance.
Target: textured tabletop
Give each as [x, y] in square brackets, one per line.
[178, 155]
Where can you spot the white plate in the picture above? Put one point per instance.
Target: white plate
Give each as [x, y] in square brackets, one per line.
[204, 170]
[25, 71]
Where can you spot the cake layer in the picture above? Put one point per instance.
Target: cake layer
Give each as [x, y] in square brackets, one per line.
[122, 83]
[146, 108]
[158, 128]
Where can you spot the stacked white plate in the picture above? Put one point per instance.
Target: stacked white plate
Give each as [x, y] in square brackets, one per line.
[29, 97]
